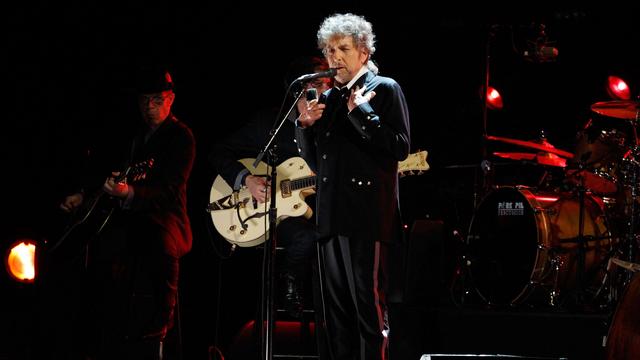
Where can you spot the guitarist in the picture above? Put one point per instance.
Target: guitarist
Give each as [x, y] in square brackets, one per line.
[134, 260]
[295, 234]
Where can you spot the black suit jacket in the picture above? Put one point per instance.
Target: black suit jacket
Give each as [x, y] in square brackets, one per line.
[355, 157]
[160, 199]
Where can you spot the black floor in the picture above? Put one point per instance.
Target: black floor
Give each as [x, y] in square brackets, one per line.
[526, 333]
[416, 331]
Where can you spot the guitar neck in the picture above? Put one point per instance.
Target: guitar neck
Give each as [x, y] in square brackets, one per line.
[305, 182]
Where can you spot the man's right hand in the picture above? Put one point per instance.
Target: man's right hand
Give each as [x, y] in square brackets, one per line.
[258, 186]
[309, 111]
[71, 202]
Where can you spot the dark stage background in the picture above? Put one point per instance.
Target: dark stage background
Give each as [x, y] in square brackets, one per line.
[68, 69]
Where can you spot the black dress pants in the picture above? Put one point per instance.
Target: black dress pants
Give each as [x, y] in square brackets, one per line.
[354, 298]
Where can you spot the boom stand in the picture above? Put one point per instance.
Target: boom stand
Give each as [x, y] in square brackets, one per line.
[266, 321]
[486, 184]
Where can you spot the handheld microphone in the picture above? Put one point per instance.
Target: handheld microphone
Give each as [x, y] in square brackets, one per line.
[329, 73]
[312, 94]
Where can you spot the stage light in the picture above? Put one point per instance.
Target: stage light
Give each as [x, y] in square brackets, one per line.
[20, 261]
[494, 99]
[617, 88]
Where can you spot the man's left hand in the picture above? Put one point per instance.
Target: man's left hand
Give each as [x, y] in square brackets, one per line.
[113, 188]
[357, 98]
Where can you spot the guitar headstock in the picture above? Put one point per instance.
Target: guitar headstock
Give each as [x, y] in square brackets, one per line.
[414, 162]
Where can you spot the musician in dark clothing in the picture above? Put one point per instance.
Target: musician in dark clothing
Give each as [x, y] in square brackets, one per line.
[133, 262]
[296, 234]
[354, 143]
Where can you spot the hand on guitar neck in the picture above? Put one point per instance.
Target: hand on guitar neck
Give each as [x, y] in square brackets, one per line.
[116, 185]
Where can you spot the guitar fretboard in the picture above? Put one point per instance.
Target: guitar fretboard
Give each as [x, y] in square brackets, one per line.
[287, 186]
[304, 182]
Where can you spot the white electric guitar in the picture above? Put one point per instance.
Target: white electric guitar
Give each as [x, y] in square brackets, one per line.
[242, 220]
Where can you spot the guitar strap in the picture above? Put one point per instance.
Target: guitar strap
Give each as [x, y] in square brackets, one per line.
[222, 204]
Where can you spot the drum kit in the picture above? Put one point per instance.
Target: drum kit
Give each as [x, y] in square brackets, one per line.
[557, 244]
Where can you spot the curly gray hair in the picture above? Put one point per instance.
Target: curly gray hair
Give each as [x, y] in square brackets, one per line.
[347, 25]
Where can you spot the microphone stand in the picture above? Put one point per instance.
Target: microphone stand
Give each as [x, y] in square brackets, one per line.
[485, 165]
[267, 312]
[481, 186]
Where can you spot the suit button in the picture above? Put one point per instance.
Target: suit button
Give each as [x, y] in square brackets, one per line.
[324, 156]
[327, 133]
[325, 179]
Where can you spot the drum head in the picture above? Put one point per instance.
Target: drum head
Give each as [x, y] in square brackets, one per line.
[503, 241]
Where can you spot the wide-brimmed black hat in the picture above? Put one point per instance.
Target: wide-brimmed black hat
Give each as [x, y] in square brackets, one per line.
[153, 79]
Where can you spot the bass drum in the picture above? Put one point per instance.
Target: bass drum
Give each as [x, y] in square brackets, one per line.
[623, 340]
[521, 240]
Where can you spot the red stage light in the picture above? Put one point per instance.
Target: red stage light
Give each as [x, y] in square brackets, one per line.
[494, 99]
[618, 89]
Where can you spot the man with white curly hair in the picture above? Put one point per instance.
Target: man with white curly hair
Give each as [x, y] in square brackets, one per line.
[353, 138]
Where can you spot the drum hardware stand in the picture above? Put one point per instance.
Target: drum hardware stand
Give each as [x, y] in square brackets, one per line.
[579, 294]
[556, 263]
[632, 238]
[608, 282]
[582, 246]
[459, 288]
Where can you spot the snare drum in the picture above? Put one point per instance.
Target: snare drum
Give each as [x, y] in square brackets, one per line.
[521, 240]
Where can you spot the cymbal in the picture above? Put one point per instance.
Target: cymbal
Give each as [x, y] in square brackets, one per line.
[544, 145]
[542, 158]
[628, 110]
[515, 155]
[625, 264]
